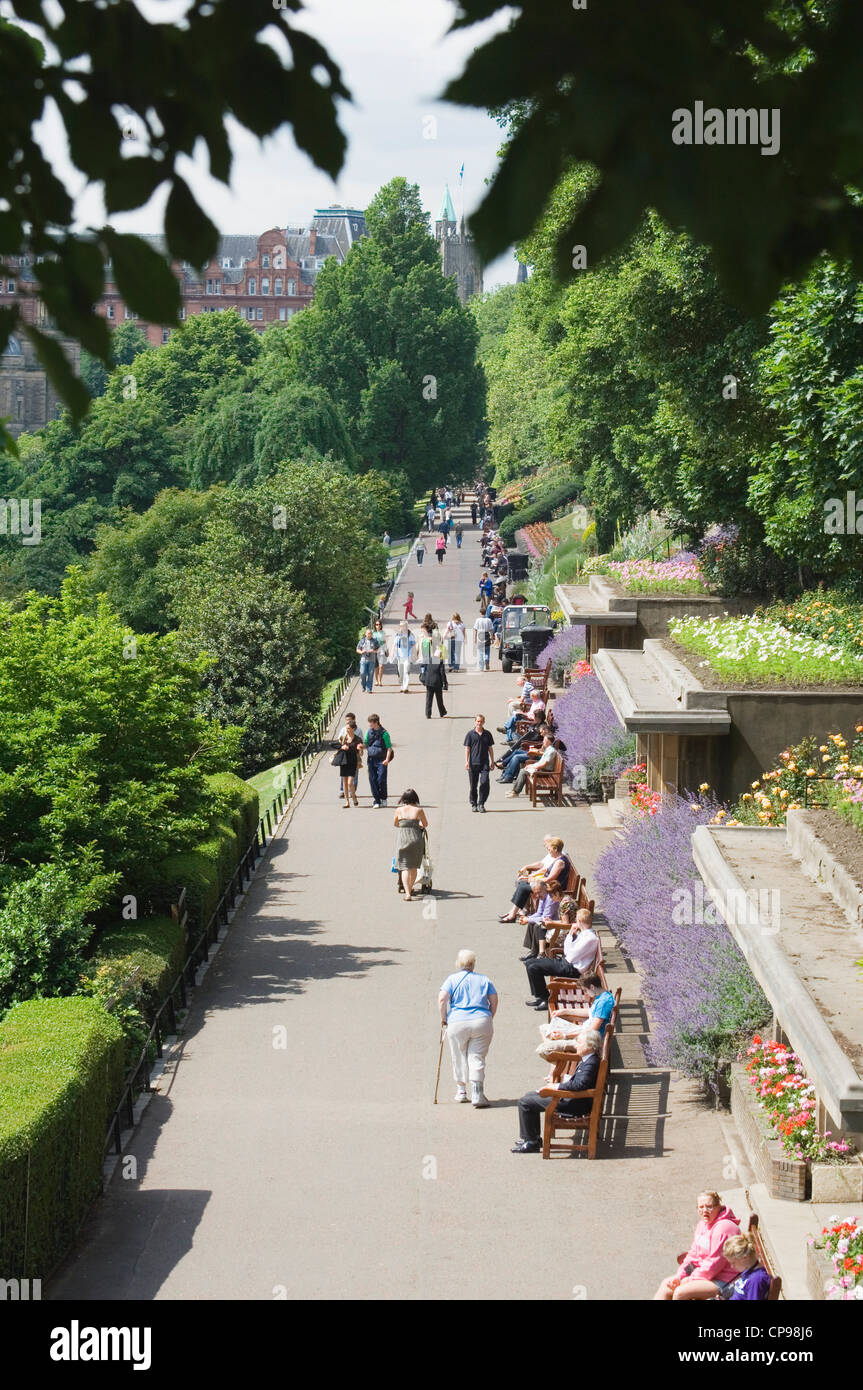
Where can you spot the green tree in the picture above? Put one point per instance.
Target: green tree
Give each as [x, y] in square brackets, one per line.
[221, 437]
[127, 340]
[266, 666]
[300, 418]
[102, 748]
[138, 563]
[606, 84]
[207, 351]
[388, 340]
[492, 312]
[44, 929]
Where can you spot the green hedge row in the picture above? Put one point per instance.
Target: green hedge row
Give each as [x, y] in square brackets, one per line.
[205, 869]
[541, 510]
[61, 1075]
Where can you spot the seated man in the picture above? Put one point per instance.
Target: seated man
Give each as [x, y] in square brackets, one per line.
[579, 952]
[545, 763]
[595, 1018]
[521, 711]
[582, 1078]
[512, 762]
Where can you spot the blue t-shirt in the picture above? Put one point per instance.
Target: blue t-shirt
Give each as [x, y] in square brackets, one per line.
[752, 1284]
[468, 993]
[602, 1007]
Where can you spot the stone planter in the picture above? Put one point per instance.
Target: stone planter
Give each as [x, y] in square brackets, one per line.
[621, 789]
[819, 1273]
[608, 783]
[837, 1182]
[784, 1177]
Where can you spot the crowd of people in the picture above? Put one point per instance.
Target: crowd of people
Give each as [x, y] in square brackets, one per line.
[558, 938]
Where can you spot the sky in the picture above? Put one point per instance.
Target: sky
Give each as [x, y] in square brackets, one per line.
[396, 57]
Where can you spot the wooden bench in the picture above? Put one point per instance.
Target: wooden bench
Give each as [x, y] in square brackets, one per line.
[547, 783]
[554, 1122]
[539, 676]
[775, 1286]
[568, 996]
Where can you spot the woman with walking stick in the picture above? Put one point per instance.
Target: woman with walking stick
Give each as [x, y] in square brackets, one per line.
[468, 1003]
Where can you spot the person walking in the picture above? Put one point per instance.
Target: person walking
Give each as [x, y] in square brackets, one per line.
[367, 651]
[440, 548]
[350, 745]
[379, 638]
[411, 823]
[458, 536]
[435, 682]
[454, 634]
[379, 754]
[420, 551]
[468, 1003]
[474, 513]
[408, 605]
[484, 630]
[430, 516]
[478, 759]
[404, 644]
[387, 539]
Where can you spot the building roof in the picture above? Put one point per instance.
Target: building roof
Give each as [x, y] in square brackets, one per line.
[447, 211]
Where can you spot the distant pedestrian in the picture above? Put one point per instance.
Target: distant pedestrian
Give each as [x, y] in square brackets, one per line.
[458, 536]
[408, 605]
[478, 760]
[420, 551]
[351, 746]
[430, 517]
[484, 630]
[379, 755]
[454, 634]
[468, 1003]
[404, 644]
[474, 513]
[367, 651]
[379, 638]
[387, 541]
[411, 823]
[436, 683]
[440, 547]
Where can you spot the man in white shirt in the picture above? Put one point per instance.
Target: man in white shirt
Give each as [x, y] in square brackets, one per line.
[580, 946]
[484, 630]
[545, 763]
[404, 644]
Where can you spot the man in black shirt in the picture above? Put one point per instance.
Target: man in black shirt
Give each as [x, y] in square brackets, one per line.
[478, 758]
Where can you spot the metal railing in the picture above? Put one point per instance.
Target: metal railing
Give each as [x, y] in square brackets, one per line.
[138, 1078]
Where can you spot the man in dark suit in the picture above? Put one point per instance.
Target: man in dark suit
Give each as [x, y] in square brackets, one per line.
[583, 1078]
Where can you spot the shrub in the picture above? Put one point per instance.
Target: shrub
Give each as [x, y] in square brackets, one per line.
[563, 650]
[61, 1074]
[542, 509]
[205, 869]
[828, 617]
[588, 725]
[134, 967]
[735, 565]
[704, 1001]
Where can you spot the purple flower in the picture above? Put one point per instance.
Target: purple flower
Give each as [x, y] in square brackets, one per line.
[590, 729]
[564, 648]
[700, 991]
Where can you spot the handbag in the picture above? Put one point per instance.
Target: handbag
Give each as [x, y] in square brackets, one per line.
[339, 758]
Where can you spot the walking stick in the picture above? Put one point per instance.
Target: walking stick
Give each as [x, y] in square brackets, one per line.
[439, 1059]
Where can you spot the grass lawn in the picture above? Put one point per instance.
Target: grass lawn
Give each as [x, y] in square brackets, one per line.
[265, 783]
[396, 550]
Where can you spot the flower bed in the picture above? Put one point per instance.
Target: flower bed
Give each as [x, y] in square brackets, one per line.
[646, 802]
[756, 651]
[704, 1002]
[676, 576]
[784, 787]
[841, 1245]
[564, 648]
[588, 725]
[787, 1097]
[828, 617]
[539, 539]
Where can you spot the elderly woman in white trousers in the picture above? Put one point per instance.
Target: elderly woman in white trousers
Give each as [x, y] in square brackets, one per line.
[468, 1003]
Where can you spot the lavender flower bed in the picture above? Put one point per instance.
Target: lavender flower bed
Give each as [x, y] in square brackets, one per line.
[704, 1000]
[588, 725]
[563, 650]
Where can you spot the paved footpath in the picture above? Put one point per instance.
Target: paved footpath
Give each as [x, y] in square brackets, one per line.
[320, 1168]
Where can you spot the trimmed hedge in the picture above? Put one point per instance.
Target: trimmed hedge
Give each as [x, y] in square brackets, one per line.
[61, 1075]
[541, 510]
[205, 869]
[154, 946]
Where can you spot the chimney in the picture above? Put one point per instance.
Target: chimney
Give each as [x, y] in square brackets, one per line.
[313, 240]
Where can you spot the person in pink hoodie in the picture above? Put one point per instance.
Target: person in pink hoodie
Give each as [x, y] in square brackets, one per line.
[704, 1270]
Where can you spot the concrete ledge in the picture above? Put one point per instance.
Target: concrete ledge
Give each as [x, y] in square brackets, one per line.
[818, 863]
[831, 1071]
[645, 702]
[582, 606]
